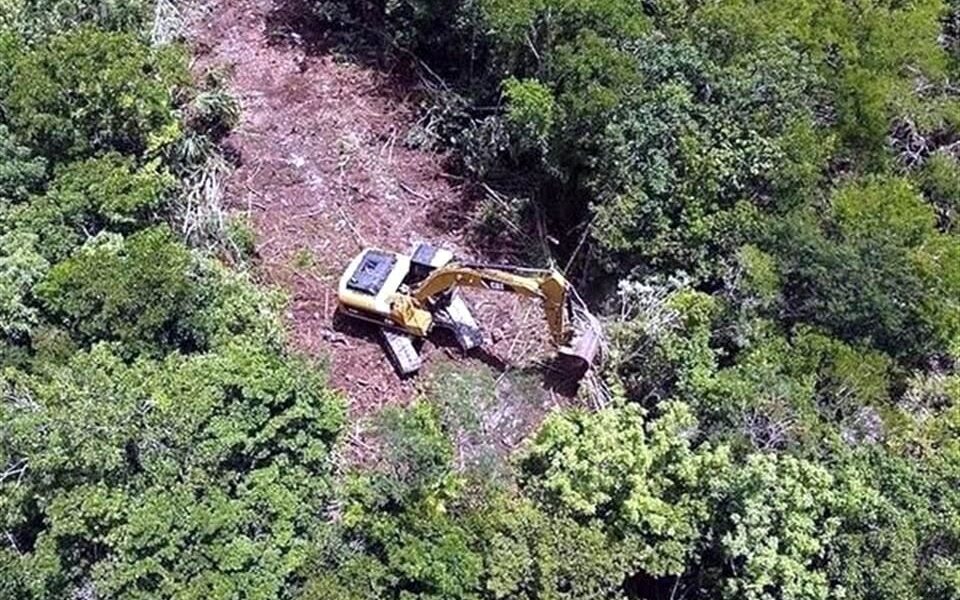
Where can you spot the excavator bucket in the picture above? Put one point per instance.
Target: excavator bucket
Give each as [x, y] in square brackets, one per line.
[586, 345]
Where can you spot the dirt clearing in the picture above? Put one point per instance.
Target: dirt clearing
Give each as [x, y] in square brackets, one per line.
[325, 172]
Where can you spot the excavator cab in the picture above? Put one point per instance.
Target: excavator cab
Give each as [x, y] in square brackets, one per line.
[409, 295]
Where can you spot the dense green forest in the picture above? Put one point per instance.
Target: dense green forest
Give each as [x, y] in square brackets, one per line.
[763, 195]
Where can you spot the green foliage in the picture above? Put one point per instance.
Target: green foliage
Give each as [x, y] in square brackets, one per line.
[86, 197]
[186, 477]
[486, 414]
[759, 277]
[508, 549]
[532, 554]
[661, 341]
[754, 387]
[303, 259]
[640, 479]
[416, 455]
[36, 19]
[141, 291]
[462, 395]
[776, 529]
[681, 175]
[872, 268]
[774, 185]
[531, 110]
[862, 51]
[242, 236]
[609, 18]
[940, 180]
[89, 91]
[397, 514]
[439, 540]
[676, 128]
[795, 394]
[155, 438]
[899, 532]
[20, 172]
[235, 306]
[21, 267]
[431, 551]
[214, 109]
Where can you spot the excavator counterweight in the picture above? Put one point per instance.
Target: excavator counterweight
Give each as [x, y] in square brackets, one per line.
[409, 295]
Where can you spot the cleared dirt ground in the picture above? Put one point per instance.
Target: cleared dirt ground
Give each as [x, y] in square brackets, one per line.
[324, 172]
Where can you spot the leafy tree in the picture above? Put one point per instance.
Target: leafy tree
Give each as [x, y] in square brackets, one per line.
[184, 478]
[531, 110]
[899, 527]
[873, 268]
[532, 553]
[863, 51]
[697, 151]
[416, 461]
[87, 197]
[234, 306]
[641, 479]
[775, 529]
[88, 91]
[940, 181]
[36, 19]
[662, 340]
[142, 292]
[411, 528]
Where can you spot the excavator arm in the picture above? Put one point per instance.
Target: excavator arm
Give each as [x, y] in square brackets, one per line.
[549, 286]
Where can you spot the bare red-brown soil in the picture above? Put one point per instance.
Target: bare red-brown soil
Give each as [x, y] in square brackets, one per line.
[324, 172]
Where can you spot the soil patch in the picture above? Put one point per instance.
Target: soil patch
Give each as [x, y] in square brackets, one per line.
[325, 172]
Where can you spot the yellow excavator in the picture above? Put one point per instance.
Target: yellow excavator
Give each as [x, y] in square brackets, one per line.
[409, 295]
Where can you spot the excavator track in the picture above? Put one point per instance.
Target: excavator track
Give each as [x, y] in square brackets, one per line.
[402, 352]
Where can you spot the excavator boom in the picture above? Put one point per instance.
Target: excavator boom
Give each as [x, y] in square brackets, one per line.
[548, 286]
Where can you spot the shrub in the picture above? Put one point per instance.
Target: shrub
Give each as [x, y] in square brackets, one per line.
[108, 193]
[141, 292]
[873, 268]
